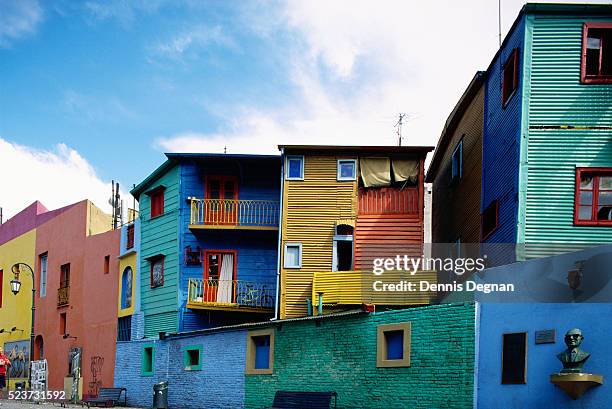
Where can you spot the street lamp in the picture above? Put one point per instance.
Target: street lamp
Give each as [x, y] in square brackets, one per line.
[15, 287]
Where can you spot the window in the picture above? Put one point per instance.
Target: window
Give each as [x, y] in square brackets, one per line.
[106, 264]
[343, 248]
[65, 276]
[457, 162]
[260, 352]
[393, 345]
[596, 65]
[43, 274]
[62, 326]
[127, 278]
[347, 169]
[157, 201]
[157, 271]
[293, 255]
[193, 358]
[148, 360]
[129, 237]
[124, 328]
[514, 358]
[593, 200]
[510, 79]
[295, 168]
[490, 219]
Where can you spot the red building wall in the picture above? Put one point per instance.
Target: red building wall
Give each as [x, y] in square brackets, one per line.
[91, 313]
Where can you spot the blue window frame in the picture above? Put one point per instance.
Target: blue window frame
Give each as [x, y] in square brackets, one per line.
[295, 168]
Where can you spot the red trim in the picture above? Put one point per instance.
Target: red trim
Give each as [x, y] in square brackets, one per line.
[157, 202]
[599, 79]
[152, 261]
[234, 252]
[512, 58]
[595, 204]
[496, 204]
[231, 219]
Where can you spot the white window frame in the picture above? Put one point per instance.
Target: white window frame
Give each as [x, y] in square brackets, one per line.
[459, 174]
[299, 246]
[287, 159]
[43, 273]
[342, 237]
[338, 175]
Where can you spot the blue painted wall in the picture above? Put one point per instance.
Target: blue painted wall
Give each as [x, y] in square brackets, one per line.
[218, 385]
[501, 141]
[257, 251]
[497, 319]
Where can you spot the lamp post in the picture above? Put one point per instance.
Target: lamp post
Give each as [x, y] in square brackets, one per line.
[15, 287]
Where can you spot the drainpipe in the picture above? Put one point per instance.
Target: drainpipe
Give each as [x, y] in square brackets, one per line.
[320, 312]
[280, 234]
[308, 307]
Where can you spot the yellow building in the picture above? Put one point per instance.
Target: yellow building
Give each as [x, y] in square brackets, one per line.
[128, 301]
[343, 206]
[15, 310]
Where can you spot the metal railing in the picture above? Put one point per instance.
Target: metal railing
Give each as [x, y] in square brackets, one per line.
[63, 296]
[230, 293]
[232, 212]
[388, 200]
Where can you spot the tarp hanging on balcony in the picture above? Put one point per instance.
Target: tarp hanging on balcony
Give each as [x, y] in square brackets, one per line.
[224, 293]
[375, 171]
[405, 169]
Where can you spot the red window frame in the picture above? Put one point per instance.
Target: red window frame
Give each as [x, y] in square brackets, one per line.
[488, 234]
[598, 79]
[512, 60]
[156, 197]
[130, 237]
[207, 252]
[597, 172]
[152, 261]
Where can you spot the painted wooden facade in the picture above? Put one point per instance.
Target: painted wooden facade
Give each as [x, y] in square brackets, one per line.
[385, 221]
[225, 227]
[456, 170]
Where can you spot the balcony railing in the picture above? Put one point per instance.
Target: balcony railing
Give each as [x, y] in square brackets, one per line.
[230, 213]
[389, 200]
[63, 296]
[230, 294]
[357, 287]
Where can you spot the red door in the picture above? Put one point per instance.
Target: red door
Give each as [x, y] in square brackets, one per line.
[217, 287]
[222, 206]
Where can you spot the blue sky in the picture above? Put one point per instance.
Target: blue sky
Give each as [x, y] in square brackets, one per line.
[97, 90]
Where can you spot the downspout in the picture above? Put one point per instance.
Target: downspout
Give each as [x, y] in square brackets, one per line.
[280, 235]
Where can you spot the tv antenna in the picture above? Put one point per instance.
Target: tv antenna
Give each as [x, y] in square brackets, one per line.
[398, 125]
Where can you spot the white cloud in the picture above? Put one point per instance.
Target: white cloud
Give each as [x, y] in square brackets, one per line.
[194, 39]
[18, 19]
[357, 64]
[57, 177]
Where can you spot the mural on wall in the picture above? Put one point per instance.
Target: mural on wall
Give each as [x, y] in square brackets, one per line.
[126, 288]
[97, 362]
[19, 354]
[39, 375]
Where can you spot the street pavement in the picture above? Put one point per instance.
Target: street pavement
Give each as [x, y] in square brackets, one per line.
[19, 404]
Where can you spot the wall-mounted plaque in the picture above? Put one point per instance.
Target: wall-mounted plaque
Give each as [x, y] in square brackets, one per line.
[546, 336]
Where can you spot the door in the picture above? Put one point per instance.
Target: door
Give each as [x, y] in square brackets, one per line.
[219, 275]
[222, 203]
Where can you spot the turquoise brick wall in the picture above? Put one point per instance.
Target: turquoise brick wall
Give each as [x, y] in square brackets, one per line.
[340, 355]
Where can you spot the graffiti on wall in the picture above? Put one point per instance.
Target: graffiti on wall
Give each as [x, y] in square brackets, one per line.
[19, 354]
[97, 362]
[39, 375]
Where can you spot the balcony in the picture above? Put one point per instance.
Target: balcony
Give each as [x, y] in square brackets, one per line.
[63, 296]
[234, 214]
[388, 200]
[357, 287]
[230, 295]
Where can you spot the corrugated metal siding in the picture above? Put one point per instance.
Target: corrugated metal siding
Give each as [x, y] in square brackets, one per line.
[501, 138]
[160, 236]
[558, 98]
[456, 208]
[310, 210]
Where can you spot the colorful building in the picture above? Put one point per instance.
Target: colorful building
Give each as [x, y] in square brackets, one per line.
[455, 170]
[209, 241]
[343, 207]
[547, 139]
[17, 245]
[130, 322]
[76, 270]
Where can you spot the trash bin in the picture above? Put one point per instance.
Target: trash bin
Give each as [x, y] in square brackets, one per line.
[160, 395]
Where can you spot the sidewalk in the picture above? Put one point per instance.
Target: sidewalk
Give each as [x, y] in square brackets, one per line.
[19, 404]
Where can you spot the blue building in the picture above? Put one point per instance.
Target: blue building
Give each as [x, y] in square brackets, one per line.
[209, 231]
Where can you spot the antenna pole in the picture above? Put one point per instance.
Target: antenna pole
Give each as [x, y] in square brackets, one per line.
[398, 125]
[499, 21]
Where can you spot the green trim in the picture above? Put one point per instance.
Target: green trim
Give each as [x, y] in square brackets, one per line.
[187, 361]
[144, 372]
[524, 136]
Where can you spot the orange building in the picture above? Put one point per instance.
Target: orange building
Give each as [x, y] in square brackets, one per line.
[76, 273]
